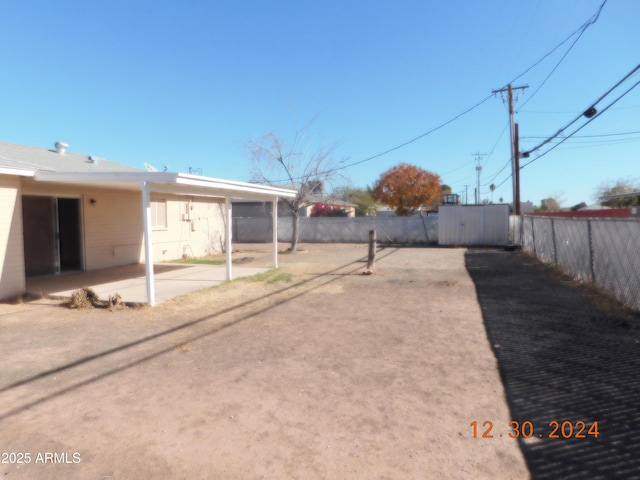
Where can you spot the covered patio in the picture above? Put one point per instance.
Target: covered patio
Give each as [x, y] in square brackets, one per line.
[145, 283]
[130, 282]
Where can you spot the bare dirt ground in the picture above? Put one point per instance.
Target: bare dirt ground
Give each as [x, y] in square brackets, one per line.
[314, 371]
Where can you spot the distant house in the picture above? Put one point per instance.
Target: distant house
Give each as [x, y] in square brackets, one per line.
[62, 212]
[386, 211]
[243, 208]
[350, 208]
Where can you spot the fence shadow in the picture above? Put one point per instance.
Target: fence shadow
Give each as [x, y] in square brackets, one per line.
[561, 359]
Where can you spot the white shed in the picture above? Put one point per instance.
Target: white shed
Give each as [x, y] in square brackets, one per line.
[473, 225]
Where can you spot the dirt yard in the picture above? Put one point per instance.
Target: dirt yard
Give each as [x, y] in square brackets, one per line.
[312, 371]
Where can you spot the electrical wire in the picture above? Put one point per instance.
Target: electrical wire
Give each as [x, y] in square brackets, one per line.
[580, 145]
[581, 30]
[496, 175]
[564, 139]
[592, 136]
[468, 110]
[444, 124]
[555, 135]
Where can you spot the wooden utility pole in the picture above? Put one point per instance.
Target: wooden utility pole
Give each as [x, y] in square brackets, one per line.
[514, 152]
[516, 148]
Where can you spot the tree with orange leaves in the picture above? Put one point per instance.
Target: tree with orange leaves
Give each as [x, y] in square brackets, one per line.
[407, 189]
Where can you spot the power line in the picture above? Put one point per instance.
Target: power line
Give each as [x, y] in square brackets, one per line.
[581, 30]
[557, 134]
[468, 110]
[444, 124]
[508, 162]
[564, 139]
[580, 145]
[593, 136]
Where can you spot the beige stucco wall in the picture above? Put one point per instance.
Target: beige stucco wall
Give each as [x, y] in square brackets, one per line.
[111, 226]
[113, 231]
[12, 281]
[195, 227]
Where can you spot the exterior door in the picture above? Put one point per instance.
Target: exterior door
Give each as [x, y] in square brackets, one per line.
[52, 235]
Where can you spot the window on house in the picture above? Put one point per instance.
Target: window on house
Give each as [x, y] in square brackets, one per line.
[158, 214]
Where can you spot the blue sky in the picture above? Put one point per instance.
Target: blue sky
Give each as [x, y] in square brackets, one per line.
[189, 83]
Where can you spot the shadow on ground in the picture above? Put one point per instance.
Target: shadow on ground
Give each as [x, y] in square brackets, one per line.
[561, 359]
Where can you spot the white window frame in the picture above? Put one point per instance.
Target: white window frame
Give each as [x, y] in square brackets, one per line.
[158, 214]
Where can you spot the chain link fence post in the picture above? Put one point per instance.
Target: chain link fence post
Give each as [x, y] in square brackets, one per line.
[553, 240]
[591, 262]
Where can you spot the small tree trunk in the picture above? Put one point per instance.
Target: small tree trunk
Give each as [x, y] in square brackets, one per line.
[295, 216]
[372, 252]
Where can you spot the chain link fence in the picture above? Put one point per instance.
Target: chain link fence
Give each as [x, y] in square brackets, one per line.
[605, 252]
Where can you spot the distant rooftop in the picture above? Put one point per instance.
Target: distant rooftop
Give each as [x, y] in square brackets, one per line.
[620, 195]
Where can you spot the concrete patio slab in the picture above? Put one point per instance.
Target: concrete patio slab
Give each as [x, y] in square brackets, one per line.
[171, 280]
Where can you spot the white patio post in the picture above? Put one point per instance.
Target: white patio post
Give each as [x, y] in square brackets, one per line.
[148, 249]
[228, 225]
[274, 216]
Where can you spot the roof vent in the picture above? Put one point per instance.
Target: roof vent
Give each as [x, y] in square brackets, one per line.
[61, 148]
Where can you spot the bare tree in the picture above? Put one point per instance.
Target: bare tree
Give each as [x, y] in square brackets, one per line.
[612, 194]
[299, 165]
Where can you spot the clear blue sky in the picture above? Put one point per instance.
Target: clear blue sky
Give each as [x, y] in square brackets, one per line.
[188, 83]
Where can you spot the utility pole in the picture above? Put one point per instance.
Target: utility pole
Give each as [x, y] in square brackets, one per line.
[514, 153]
[516, 148]
[466, 194]
[479, 170]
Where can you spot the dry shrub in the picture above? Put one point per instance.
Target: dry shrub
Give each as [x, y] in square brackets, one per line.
[83, 298]
[116, 303]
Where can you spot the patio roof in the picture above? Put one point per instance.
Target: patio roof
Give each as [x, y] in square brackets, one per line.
[178, 184]
[167, 182]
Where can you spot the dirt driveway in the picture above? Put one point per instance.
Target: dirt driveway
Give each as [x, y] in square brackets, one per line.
[313, 371]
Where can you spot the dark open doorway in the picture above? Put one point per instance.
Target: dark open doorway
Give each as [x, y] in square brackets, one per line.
[69, 234]
[52, 235]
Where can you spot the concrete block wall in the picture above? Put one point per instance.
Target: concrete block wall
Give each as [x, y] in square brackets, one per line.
[416, 229]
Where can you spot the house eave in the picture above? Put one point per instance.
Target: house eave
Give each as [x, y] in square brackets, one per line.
[21, 172]
[167, 182]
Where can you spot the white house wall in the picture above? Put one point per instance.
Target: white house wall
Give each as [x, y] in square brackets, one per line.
[12, 280]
